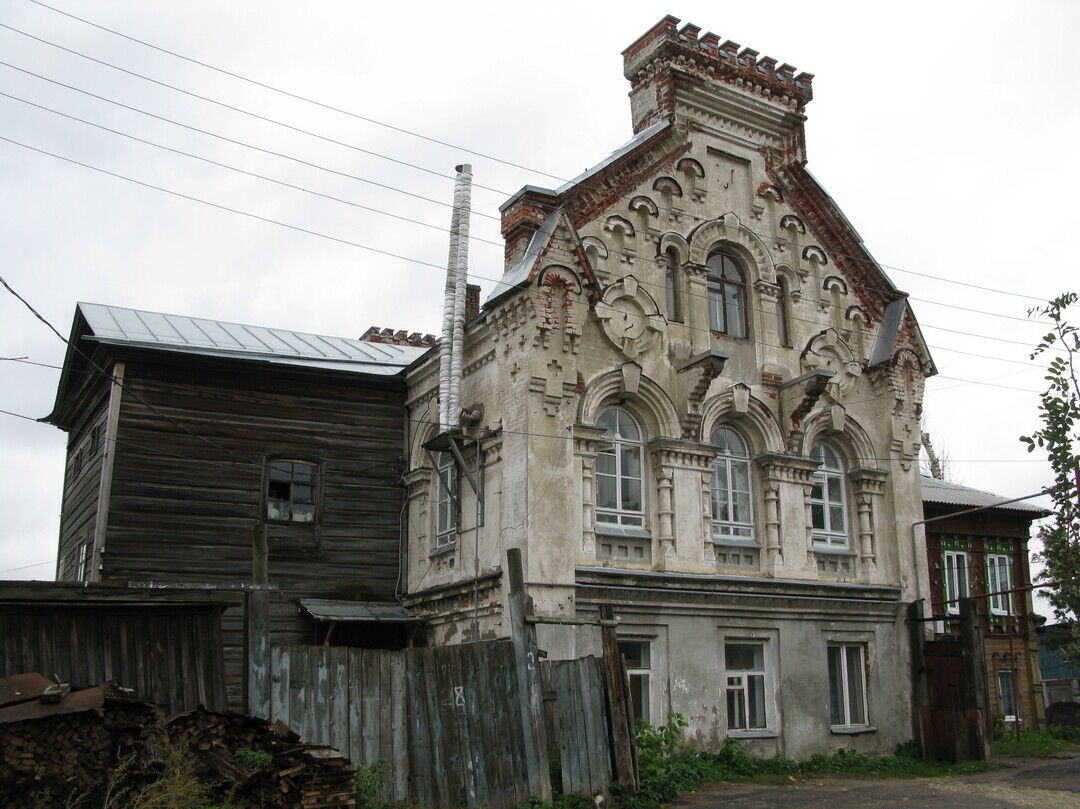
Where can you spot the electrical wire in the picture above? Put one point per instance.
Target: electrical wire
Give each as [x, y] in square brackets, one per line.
[296, 96]
[269, 220]
[478, 185]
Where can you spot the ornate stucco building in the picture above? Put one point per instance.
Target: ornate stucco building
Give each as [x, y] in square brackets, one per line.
[694, 395]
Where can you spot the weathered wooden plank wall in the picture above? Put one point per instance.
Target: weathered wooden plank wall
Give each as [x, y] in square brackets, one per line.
[170, 655]
[577, 724]
[182, 511]
[445, 719]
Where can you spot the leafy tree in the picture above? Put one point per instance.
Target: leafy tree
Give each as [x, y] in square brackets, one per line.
[1059, 436]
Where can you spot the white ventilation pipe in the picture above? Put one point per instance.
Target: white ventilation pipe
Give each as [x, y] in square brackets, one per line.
[462, 203]
[450, 365]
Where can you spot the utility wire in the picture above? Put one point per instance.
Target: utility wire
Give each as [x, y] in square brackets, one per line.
[500, 245]
[261, 218]
[478, 185]
[241, 110]
[296, 96]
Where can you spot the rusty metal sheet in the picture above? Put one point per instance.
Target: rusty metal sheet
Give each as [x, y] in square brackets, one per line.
[89, 699]
[20, 687]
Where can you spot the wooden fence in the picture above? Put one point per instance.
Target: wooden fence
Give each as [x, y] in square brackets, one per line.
[445, 719]
[576, 719]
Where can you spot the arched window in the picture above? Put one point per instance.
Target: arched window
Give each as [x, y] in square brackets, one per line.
[446, 490]
[727, 296]
[619, 470]
[783, 331]
[828, 499]
[671, 286]
[733, 515]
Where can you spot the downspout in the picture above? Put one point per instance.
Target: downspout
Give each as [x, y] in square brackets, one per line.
[462, 202]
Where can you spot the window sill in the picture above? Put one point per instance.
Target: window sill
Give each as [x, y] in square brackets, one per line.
[753, 734]
[443, 550]
[832, 550]
[732, 542]
[625, 531]
[852, 731]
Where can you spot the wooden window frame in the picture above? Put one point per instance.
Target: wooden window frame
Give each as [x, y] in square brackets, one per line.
[728, 461]
[317, 493]
[845, 688]
[716, 286]
[623, 517]
[828, 536]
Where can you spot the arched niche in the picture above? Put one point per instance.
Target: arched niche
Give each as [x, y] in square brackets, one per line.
[729, 230]
[744, 410]
[649, 403]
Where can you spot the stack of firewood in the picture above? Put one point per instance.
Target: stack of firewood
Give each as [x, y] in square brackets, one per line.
[46, 759]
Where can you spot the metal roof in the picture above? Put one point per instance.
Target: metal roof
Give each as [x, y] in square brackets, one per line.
[626, 148]
[116, 325]
[380, 612]
[953, 494]
[519, 273]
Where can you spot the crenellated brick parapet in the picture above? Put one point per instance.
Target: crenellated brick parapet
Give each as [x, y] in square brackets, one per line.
[653, 61]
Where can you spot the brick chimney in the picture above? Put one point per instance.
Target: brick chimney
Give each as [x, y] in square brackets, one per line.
[522, 216]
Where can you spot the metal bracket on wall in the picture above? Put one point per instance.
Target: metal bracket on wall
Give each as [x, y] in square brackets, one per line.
[451, 441]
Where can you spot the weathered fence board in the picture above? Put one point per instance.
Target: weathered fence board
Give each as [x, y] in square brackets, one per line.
[575, 713]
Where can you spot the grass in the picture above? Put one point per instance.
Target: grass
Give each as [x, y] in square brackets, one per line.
[1046, 743]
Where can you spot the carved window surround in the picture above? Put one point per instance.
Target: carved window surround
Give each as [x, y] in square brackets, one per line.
[869, 487]
[777, 468]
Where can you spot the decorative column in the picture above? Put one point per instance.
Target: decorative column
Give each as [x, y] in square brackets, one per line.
[585, 442]
[869, 486]
[665, 514]
[669, 457]
[706, 516]
[697, 306]
[418, 493]
[778, 469]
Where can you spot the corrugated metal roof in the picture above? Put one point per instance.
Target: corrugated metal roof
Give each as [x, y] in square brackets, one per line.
[192, 335]
[953, 494]
[331, 609]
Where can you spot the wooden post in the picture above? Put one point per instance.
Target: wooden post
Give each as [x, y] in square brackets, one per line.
[920, 690]
[620, 711]
[974, 695]
[531, 697]
[257, 629]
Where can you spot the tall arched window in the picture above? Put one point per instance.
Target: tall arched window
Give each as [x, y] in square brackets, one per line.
[446, 492]
[671, 286]
[783, 331]
[619, 470]
[727, 296]
[828, 498]
[733, 515]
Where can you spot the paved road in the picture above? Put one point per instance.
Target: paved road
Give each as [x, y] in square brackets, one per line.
[1023, 783]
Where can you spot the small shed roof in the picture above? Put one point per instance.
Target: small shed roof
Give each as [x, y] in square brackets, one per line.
[379, 612]
[941, 492]
[116, 325]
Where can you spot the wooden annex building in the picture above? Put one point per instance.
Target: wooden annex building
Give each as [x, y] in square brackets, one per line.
[184, 434]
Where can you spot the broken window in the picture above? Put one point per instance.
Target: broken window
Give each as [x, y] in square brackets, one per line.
[744, 665]
[637, 657]
[446, 494]
[956, 580]
[998, 579]
[828, 498]
[847, 684]
[733, 514]
[727, 296]
[619, 470]
[290, 491]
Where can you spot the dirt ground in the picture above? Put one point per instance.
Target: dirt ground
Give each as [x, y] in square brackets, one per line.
[1023, 783]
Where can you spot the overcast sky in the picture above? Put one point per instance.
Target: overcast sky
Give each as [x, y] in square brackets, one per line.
[947, 132]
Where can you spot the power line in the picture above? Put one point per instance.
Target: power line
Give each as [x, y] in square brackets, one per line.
[26, 567]
[241, 110]
[227, 139]
[762, 236]
[297, 96]
[276, 221]
[488, 188]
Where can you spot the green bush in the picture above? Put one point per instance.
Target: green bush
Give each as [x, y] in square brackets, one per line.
[371, 784]
[253, 759]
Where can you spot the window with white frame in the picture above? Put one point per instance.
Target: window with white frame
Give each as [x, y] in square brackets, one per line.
[637, 656]
[619, 470]
[956, 579]
[82, 561]
[745, 683]
[446, 491]
[733, 515]
[847, 685]
[1006, 695]
[998, 579]
[828, 498]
